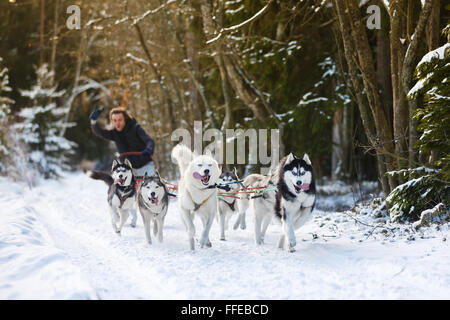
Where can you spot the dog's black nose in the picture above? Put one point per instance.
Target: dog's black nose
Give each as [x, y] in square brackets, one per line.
[153, 194]
[299, 182]
[120, 176]
[206, 171]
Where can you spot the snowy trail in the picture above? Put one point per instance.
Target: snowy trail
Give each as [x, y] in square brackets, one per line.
[336, 265]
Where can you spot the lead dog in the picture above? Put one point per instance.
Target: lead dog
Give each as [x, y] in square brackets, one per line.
[152, 203]
[121, 192]
[295, 197]
[197, 192]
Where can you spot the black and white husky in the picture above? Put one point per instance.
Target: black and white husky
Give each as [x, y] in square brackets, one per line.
[197, 192]
[121, 192]
[295, 197]
[152, 203]
[227, 204]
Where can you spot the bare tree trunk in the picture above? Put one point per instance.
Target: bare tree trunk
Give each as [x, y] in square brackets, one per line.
[55, 37]
[41, 33]
[368, 123]
[192, 72]
[399, 105]
[366, 63]
[157, 72]
[236, 80]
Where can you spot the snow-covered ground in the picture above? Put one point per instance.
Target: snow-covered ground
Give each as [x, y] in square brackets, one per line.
[56, 242]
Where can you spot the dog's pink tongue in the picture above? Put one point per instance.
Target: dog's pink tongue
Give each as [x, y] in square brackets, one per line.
[305, 186]
[117, 181]
[197, 175]
[155, 200]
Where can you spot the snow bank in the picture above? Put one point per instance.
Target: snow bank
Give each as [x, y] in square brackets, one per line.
[31, 267]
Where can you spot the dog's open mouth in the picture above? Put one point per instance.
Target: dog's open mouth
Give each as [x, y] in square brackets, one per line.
[119, 181]
[304, 187]
[153, 200]
[204, 179]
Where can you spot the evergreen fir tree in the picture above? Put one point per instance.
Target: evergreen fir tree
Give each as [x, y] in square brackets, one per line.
[428, 187]
[42, 124]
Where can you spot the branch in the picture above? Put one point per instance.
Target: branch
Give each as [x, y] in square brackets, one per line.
[238, 26]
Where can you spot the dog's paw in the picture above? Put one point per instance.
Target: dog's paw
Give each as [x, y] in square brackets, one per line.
[291, 249]
[222, 239]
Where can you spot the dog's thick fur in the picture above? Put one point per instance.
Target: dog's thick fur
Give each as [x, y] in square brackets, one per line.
[228, 205]
[152, 203]
[263, 206]
[121, 193]
[197, 192]
[295, 197]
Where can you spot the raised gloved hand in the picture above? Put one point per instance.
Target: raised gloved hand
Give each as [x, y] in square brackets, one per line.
[94, 115]
[147, 152]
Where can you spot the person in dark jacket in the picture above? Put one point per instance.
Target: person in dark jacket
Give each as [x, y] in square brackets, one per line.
[128, 137]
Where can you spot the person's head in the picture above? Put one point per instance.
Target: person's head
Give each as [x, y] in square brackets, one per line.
[119, 117]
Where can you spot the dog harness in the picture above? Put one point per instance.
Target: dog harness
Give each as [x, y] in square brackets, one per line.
[128, 191]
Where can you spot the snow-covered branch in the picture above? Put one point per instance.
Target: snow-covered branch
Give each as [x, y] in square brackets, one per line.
[240, 25]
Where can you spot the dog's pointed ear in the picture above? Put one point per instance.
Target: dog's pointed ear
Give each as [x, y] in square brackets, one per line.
[306, 159]
[290, 158]
[235, 172]
[145, 175]
[157, 174]
[114, 163]
[128, 163]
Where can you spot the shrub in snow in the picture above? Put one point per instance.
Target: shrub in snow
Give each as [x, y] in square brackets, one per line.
[423, 191]
[427, 187]
[41, 126]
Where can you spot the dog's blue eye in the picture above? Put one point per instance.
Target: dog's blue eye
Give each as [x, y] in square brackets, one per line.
[209, 165]
[199, 165]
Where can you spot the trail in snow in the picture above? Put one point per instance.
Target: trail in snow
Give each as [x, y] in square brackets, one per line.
[341, 262]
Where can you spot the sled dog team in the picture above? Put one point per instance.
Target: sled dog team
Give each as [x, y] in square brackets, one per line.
[289, 200]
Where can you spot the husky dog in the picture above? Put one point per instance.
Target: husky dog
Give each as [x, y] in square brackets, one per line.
[228, 205]
[197, 192]
[121, 192]
[262, 205]
[152, 203]
[295, 198]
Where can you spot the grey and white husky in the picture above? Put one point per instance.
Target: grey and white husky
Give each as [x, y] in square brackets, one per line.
[262, 205]
[121, 192]
[152, 203]
[295, 197]
[228, 205]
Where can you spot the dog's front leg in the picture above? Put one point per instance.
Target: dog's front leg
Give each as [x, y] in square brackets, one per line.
[114, 218]
[190, 228]
[123, 219]
[288, 229]
[222, 223]
[207, 223]
[159, 222]
[242, 206]
[148, 235]
[259, 216]
[133, 218]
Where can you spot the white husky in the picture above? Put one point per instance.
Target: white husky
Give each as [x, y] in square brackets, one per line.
[197, 192]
